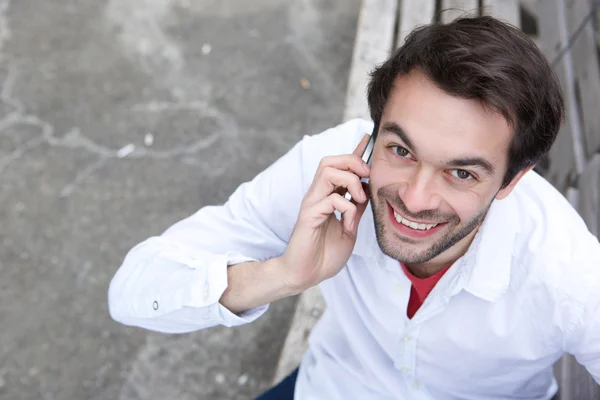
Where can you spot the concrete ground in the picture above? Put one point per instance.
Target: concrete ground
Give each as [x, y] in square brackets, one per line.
[118, 118]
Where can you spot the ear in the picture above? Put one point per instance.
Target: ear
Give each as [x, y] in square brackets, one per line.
[504, 192]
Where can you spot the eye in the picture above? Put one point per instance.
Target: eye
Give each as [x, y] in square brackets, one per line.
[462, 175]
[402, 152]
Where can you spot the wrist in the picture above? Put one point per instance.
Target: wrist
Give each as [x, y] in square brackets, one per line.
[252, 284]
[292, 283]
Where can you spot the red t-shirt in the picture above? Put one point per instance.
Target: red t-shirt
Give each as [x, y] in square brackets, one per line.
[420, 289]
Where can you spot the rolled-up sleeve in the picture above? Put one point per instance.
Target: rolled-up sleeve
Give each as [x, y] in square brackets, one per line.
[170, 288]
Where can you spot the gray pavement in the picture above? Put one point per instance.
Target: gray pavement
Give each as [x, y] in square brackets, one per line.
[118, 118]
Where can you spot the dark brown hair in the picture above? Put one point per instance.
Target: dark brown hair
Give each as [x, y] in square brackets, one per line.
[485, 59]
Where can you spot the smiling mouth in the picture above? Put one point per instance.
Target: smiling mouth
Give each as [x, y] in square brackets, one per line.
[416, 229]
[414, 225]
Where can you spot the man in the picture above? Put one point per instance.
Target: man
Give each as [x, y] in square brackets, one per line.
[468, 279]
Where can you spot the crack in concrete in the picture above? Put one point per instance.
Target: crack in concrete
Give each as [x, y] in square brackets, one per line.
[162, 106]
[75, 140]
[20, 151]
[82, 176]
[146, 30]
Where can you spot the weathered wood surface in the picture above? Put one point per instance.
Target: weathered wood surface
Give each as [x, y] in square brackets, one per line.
[414, 13]
[505, 10]
[574, 382]
[574, 119]
[452, 9]
[577, 140]
[562, 155]
[373, 43]
[308, 310]
[587, 74]
[589, 197]
[530, 6]
[578, 383]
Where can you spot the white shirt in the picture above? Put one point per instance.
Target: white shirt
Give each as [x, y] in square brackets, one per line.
[526, 291]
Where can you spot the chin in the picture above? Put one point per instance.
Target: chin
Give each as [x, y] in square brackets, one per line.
[404, 250]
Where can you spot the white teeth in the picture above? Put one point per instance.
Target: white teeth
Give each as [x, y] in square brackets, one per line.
[413, 225]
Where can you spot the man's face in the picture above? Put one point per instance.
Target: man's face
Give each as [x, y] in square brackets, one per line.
[438, 163]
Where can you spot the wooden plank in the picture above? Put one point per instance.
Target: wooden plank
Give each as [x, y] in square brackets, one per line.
[589, 199]
[562, 156]
[587, 74]
[414, 13]
[373, 43]
[452, 9]
[598, 28]
[573, 114]
[530, 6]
[575, 382]
[308, 310]
[505, 10]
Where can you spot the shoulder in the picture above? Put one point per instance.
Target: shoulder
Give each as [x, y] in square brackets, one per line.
[554, 245]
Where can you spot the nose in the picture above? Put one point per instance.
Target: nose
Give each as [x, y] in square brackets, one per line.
[419, 192]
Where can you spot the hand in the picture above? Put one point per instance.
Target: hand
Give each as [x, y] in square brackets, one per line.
[321, 244]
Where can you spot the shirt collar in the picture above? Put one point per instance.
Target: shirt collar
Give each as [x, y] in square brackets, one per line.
[484, 270]
[486, 267]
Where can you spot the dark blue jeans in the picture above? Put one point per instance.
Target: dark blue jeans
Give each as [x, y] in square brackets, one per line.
[284, 389]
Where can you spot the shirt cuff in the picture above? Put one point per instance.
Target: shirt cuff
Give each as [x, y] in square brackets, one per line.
[229, 319]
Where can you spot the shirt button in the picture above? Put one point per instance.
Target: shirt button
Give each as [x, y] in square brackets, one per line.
[155, 305]
[205, 294]
[405, 369]
[416, 385]
[406, 339]
[398, 289]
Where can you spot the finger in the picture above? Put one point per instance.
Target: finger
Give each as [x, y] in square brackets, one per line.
[360, 210]
[362, 145]
[331, 179]
[345, 162]
[323, 209]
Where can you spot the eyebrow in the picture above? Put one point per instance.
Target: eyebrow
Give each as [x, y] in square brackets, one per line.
[395, 129]
[473, 162]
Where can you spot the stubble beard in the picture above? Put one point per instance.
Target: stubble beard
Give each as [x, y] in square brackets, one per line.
[399, 247]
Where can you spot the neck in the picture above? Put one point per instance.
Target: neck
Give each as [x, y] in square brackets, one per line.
[427, 269]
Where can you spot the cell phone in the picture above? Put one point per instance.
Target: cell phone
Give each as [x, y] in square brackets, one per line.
[366, 157]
